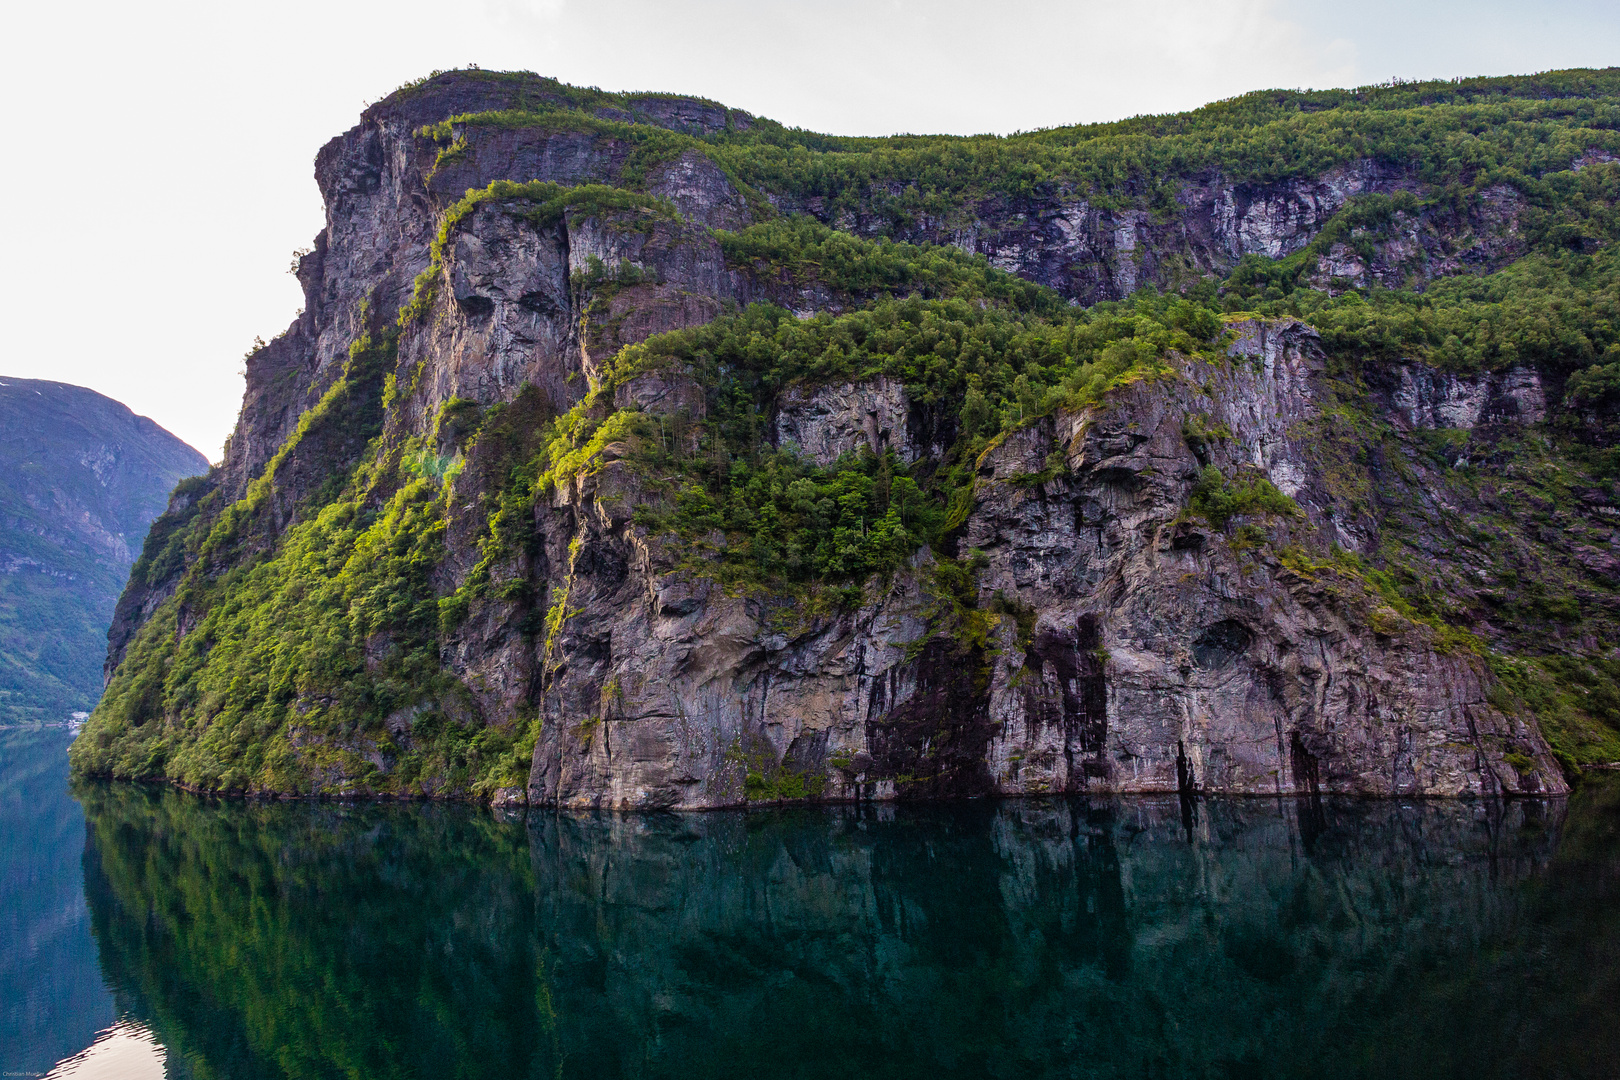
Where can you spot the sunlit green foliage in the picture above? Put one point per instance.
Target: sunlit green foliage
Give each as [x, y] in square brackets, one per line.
[1468, 133]
[279, 659]
[1599, 383]
[1218, 499]
[801, 250]
[1557, 310]
[1575, 699]
[752, 512]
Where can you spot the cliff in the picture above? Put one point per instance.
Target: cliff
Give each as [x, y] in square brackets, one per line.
[81, 480]
[635, 451]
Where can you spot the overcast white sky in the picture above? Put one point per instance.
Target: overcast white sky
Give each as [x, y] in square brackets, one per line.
[158, 171]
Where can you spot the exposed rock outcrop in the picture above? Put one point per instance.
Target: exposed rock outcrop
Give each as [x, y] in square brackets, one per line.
[1059, 239]
[1426, 398]
[830, 421]
[1152, 658]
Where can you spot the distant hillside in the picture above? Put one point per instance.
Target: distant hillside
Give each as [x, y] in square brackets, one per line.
[81, 478]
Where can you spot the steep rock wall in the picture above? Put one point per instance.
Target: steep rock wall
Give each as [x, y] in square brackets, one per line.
[1058, 238]
[1154, 656]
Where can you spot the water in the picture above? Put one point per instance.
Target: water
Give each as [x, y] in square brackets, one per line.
[52, 999]
[1110, 937]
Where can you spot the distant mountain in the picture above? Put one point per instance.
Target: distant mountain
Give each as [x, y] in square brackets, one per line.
[81, 479]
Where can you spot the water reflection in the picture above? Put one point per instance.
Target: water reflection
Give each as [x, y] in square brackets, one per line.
[52, 1000]
[124, 1051]
[1069, 938]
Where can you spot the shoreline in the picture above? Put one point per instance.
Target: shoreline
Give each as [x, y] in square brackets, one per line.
[1188, 796]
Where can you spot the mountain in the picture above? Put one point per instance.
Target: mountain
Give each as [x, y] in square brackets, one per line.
[81, 480]
[634, 451]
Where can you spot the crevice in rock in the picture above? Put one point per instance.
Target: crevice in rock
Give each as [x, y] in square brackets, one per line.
[476, 307]
[1305, 766]
[1186, 778]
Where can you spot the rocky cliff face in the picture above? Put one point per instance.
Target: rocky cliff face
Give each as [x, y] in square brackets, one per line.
[1197, 577]
[1060, 239]
[83, 477]
[1140, 652]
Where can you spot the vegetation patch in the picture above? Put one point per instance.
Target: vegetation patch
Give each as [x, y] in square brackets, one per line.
[1576, 702]
[310, 660]
[1218, 500]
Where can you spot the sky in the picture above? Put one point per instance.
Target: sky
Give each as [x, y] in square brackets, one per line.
[159, 172]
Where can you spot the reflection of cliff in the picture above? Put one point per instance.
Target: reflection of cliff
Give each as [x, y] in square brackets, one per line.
[1028, 939]
[1540, 997]
[267, 941]
[1109, 938]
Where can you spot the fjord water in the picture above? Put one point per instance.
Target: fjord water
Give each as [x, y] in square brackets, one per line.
[52, 999]
[1071, 937]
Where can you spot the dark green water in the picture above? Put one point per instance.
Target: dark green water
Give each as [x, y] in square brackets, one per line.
[1110, 937]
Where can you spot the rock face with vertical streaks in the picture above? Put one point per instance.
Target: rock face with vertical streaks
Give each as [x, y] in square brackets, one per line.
[1152, 659]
